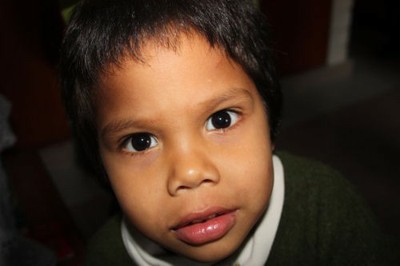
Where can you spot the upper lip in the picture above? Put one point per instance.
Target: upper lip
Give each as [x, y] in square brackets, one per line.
[201, 216]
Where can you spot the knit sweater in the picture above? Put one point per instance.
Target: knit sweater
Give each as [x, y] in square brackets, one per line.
[324, 222]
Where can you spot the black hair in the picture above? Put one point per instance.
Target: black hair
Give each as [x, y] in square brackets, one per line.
[103, 32]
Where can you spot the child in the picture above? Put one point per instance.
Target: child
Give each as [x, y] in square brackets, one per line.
[177, 104]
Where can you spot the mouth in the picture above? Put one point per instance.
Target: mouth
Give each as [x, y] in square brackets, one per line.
[201, 228]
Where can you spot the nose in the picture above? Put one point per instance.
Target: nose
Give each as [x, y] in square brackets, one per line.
[191, 168]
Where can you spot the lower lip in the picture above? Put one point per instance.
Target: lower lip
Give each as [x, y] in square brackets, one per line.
[211, 230]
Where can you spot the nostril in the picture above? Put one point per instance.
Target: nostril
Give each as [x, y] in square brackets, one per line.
[187, 187]
[207, 181]
[183, 188]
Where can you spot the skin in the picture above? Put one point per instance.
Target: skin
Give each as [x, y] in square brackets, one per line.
[190, 165]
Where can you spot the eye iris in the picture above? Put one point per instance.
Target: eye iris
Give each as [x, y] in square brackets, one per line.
[221, 120]
[141, 142]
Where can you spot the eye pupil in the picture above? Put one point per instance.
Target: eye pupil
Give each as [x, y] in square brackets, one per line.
[141, 141]
[221, 120]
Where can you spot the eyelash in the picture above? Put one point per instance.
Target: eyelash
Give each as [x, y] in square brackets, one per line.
[150, 139]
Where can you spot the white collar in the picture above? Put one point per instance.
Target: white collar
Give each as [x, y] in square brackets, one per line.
[255, 251]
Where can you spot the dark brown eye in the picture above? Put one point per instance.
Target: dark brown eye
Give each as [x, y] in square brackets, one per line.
[221, 120]
[140, 142]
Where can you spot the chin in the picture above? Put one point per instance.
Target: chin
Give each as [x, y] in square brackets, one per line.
[208, 258]
[209, 253]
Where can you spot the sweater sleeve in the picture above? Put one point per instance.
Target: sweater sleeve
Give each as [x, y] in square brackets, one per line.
[324, 221]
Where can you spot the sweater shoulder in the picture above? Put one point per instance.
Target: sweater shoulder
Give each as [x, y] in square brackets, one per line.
[106, 246]
[324, 218]
[302, 169]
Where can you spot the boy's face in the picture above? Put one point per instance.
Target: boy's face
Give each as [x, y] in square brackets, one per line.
[185, 142]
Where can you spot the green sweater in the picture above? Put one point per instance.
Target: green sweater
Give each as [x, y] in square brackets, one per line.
[324, 222]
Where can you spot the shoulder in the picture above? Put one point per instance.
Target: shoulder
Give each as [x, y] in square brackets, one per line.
[324, 220]
[319, 183]
[301, 169]
[106, 246]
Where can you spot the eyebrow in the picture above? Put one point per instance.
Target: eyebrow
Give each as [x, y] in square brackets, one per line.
[121, 125]
[233, 93]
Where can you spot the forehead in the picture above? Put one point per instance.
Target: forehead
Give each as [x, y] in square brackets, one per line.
[167, 78]
[176, 52]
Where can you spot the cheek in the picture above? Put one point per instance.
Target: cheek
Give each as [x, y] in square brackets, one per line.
[142, 205]
[255, 184]
[251, 164]
[135, 188]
